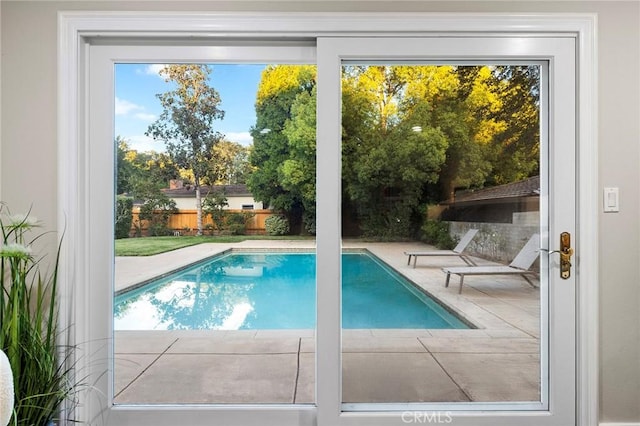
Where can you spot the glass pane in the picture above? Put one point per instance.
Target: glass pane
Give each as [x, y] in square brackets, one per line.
[440, 182]
[216, 304]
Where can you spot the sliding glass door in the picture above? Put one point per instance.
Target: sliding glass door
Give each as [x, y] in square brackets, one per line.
[371, 159]
[436, 145]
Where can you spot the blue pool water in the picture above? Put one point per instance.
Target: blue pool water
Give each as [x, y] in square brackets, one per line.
[277, 291]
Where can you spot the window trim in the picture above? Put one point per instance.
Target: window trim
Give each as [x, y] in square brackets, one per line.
[78, 29]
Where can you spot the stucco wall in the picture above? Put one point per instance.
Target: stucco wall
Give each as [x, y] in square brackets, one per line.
[28, 142]
[235, 203]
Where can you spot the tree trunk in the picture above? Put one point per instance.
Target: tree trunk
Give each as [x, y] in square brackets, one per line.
[198, 206]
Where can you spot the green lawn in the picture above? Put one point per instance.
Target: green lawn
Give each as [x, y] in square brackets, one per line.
[147, 246]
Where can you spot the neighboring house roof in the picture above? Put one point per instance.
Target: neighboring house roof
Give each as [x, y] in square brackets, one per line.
[525, 188]
[188, 191]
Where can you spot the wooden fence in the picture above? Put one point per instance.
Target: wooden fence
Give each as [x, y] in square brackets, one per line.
[185, 222]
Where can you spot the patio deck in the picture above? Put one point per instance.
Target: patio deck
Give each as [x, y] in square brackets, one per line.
[498, 361]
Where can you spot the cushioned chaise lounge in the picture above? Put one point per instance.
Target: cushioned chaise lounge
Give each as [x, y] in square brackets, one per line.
[520, 265]
[457, 251]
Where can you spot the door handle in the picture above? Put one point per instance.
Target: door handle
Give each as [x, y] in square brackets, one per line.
[566, 251]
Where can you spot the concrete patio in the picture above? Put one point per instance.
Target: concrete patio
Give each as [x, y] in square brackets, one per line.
[497, 361]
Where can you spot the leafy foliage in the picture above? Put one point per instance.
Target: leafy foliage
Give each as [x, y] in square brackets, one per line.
[236, 223]
[279, 87]
[298, 172]
[213, 205]
[43, 378]
[156, 210]
[516, 148]
[186, 124]
[436, 233]
[276, 225]
[229, 164]
[138, 172]
[385, 162]
[410, 135]
[124, 216]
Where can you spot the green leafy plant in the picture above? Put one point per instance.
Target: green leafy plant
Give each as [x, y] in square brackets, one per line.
[437, 233]
[309, 221]
[29, 325]
[236, 223]
[213, 205]
[156, 210]
[276, 225]
[124, 216]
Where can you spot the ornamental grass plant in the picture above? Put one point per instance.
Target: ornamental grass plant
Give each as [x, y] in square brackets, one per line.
[29, 329]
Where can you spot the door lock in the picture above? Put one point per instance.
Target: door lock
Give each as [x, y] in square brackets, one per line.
[565, 255]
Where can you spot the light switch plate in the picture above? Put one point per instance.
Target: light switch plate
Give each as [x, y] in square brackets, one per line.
[611, 200]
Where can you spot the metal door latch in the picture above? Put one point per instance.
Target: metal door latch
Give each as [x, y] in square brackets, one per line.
[565, 255]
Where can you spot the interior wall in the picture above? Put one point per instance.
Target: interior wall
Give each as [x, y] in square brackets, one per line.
[28, 164]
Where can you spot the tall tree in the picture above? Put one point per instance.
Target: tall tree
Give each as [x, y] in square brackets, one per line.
[390, 150]
[277, 92]
[516, 148]
[186, 124]
[298, 172]
[465, 115]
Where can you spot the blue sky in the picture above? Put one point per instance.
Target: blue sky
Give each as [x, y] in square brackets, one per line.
[136, 105]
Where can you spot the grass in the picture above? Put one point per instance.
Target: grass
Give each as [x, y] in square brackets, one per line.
[147, 246]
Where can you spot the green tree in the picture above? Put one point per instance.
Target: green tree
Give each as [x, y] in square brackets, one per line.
[277, 92]
[139, 171]
[461, 103]
[229, 164]
[186, 124]
[157, 210]
[125, 169]
[410, 135]
[516, 149]
[298, 172]
[386, 162]
[213, 205]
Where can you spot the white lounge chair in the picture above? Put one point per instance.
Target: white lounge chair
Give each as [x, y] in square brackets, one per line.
[457, 251]
[520, 265]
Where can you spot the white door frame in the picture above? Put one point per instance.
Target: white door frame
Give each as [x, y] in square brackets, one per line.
[77, 30]
[556, 58]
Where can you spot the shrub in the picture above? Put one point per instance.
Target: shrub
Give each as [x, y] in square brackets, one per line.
[213, 204]
[157, 209]
[388, 223]
[124, 216]
[276, 225]
[209, 227]
[309, 222]
[236, 223]
[437, 233]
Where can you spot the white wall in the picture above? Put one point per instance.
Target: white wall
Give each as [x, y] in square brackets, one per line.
[235, 203]
[28, 134]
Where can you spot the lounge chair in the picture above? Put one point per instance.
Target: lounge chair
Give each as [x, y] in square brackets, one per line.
[520, 265]
[457, 251]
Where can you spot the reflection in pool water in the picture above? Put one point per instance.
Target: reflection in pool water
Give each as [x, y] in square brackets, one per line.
[276, 291]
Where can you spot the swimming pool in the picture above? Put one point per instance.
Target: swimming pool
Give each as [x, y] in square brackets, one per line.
[239, 291]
